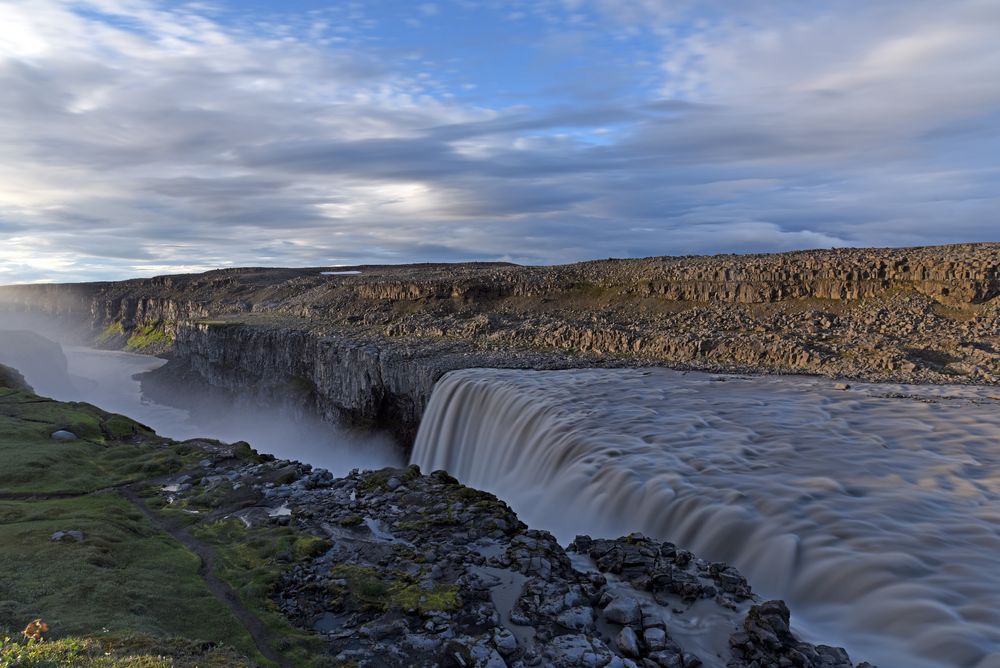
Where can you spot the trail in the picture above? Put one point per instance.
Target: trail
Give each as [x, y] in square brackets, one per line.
[261, 635]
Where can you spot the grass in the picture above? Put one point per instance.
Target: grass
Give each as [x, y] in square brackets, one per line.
[129, 594]
[129, 651]
[149, 338]
[112, 331]
[251, 561]
[126, 577]
[111, 449]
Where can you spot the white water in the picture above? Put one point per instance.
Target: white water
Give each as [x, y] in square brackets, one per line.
[107, 380]
[877, 518]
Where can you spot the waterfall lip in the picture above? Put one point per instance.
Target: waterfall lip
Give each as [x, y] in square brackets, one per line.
[837, 501]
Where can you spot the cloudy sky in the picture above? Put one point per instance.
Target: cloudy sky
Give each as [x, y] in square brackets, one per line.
[140, 137]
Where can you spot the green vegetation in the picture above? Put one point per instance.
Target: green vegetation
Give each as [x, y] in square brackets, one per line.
[129, 651]
[376, 592]
[149, 338]
[126, 593]
[129, 592]
[110, 332]
[114, 582]
[112, 450]
[251, 560]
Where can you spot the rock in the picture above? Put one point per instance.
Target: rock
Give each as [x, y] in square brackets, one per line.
[577, 651]
[62, 536]
[13, 380]
[63, 435]
[628, 643]
[655, 638]
[577, 619]
[667, 659]
[766, 639]
[623, 610]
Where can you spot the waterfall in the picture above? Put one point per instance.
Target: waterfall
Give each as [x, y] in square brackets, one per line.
[877, 518]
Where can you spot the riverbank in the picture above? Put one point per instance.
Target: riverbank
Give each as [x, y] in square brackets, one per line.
[233, 552]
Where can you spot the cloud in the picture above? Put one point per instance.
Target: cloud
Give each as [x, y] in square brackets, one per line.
[140, 137]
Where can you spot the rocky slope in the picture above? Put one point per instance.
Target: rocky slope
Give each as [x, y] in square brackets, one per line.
[366, 344]
[139, 550]
[418, 570]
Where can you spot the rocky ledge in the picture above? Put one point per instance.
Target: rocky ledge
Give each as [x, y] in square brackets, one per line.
[407, 569]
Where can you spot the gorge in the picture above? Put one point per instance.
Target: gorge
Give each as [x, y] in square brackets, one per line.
[872, 509]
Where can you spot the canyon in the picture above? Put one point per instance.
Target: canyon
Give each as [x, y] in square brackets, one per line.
[365, 345]
[541, 385]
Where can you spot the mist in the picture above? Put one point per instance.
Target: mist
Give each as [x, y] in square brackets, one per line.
[110, 380]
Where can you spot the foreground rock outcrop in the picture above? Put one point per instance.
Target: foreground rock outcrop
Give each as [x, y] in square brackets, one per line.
[367, 346]
[419, 570]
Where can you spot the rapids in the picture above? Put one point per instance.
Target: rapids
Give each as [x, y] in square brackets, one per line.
[875, 511]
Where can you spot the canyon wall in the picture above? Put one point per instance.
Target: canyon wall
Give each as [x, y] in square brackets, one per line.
[367, 347]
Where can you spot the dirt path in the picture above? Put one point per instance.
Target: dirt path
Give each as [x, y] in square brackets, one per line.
[261, 635]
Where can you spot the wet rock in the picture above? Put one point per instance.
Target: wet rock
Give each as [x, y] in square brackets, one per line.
[766, 639]
[628, 643]
[573, 651]
[623, 610]
[64, 536]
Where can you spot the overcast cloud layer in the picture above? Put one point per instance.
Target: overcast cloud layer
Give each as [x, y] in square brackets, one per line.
[141, 137]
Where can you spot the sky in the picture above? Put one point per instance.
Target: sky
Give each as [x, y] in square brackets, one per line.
[143, 137]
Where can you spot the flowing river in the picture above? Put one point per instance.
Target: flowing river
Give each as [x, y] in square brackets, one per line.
[107, 379]
[874, 511]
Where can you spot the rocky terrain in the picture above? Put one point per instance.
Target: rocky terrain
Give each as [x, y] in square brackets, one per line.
[366, 344]
[418, 570]
[131, 549]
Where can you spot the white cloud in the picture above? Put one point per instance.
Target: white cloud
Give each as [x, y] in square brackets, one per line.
[139, 136]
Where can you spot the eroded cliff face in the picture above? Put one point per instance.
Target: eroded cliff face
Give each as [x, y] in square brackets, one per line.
[367, 347]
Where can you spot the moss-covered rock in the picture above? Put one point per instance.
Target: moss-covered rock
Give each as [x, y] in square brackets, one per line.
[13, 380]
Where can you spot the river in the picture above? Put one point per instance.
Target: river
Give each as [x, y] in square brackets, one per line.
[108, 380]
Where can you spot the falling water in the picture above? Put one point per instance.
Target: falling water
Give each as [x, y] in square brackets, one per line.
[876, 513]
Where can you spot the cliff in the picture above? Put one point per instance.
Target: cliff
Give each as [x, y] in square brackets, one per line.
[367, 343]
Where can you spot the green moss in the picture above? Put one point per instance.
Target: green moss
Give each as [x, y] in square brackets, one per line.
[309, 547]
[375, 591]
[413, 597]
[119, 427]
[149, 338]
[112, 450]
[252, 561]
[110, 332]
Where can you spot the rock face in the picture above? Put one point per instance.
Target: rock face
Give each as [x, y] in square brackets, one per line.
[13, 380]
[38, 358]
[368, 347]
[417, 569]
